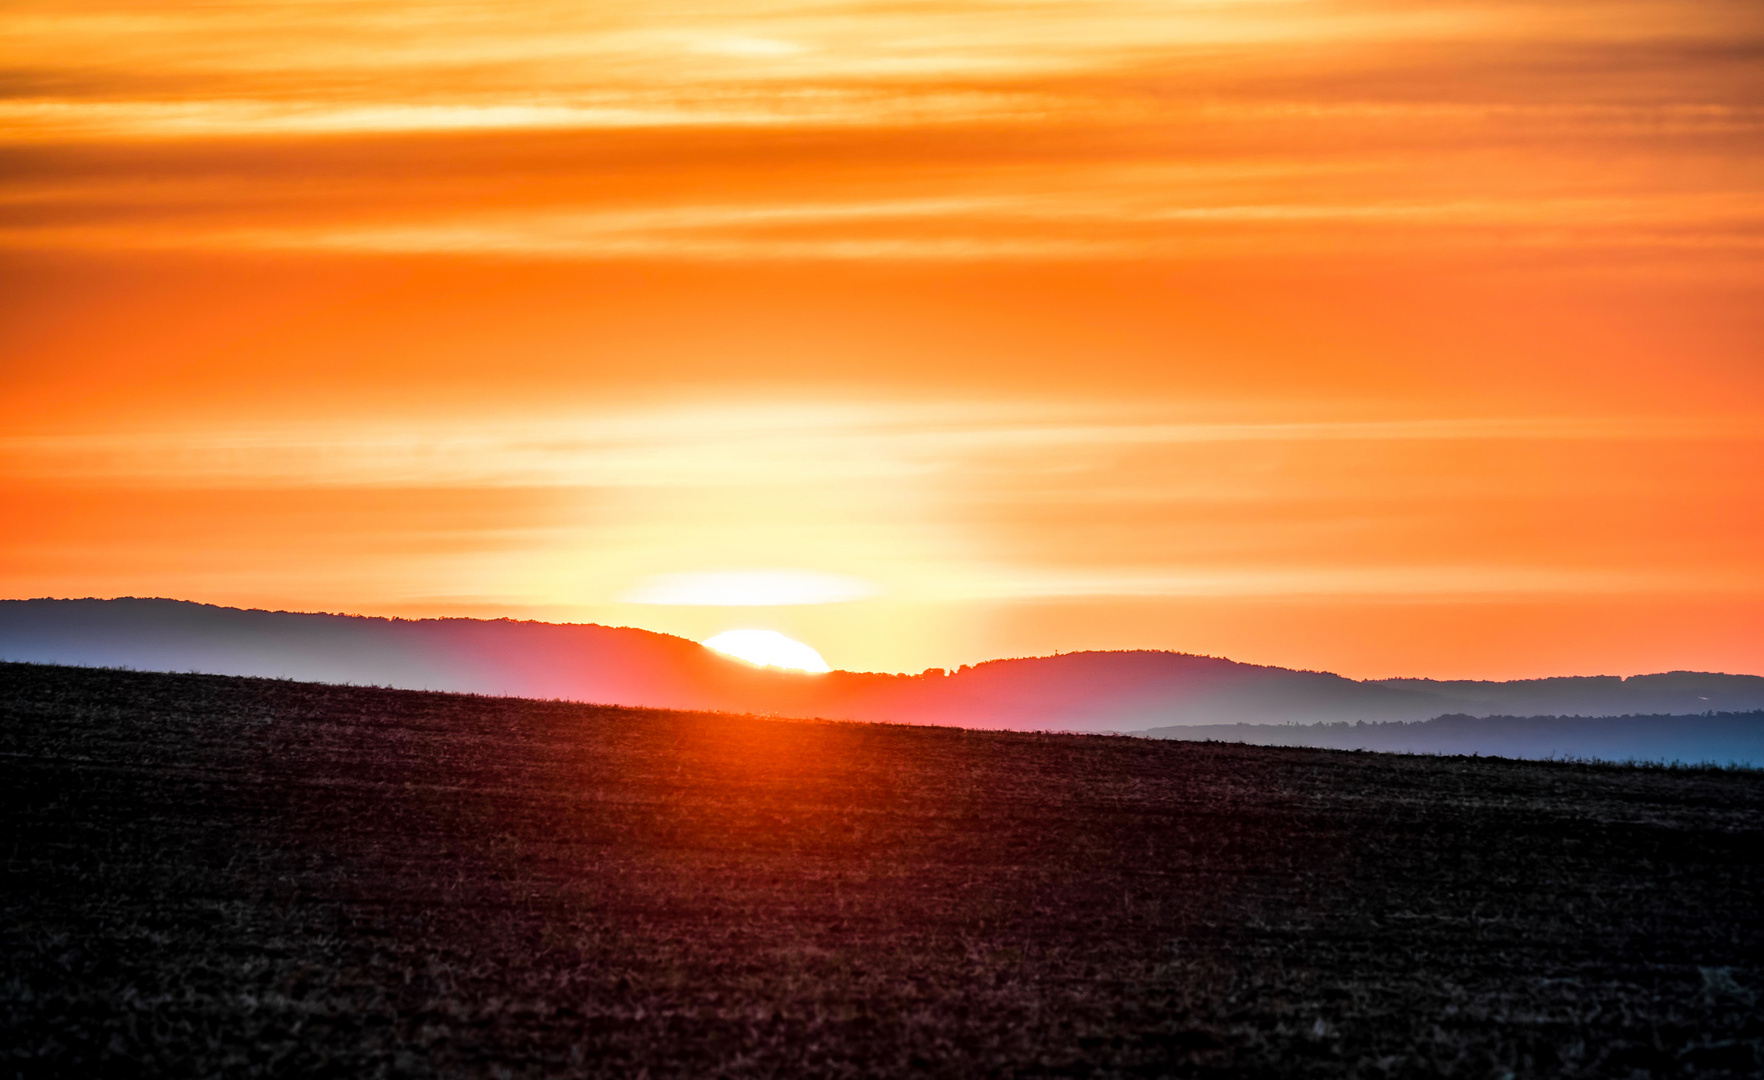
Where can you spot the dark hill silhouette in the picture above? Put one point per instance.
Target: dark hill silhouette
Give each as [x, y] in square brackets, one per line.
[1086, 691]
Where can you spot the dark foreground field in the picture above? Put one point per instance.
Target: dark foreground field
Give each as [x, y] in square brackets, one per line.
[208, 876]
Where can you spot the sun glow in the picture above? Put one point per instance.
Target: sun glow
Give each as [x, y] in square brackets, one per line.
[767, 648]
[749, 588]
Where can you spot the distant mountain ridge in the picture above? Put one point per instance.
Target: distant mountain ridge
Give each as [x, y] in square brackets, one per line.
[1085, 691]
[1598, 695]
[1726, 738]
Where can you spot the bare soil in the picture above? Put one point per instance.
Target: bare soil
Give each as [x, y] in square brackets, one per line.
[211, 876]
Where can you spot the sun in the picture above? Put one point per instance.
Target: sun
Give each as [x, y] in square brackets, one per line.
[767, 648]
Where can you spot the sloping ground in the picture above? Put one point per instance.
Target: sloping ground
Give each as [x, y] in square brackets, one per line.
[1086, 691]
[211, 875]
[1715, 738]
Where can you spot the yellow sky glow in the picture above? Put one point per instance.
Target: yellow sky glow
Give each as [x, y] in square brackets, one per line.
[1382, 337]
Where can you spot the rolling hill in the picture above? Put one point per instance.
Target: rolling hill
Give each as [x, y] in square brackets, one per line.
[1085, 691]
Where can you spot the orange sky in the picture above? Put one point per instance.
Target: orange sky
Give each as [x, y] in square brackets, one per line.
[1382, 338]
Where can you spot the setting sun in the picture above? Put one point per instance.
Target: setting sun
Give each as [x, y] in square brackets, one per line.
[1274, 489]
[767, 648]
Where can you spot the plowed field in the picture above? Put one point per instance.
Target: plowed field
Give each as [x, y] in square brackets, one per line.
[220, 876]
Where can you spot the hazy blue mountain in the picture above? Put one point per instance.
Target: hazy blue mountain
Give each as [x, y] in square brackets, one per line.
[1719, 738]
[1597, 695]
[1087, 691]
